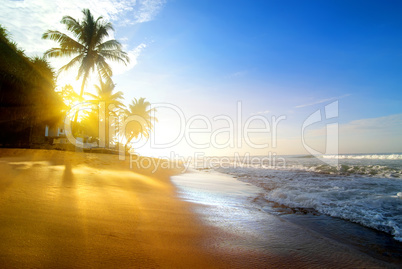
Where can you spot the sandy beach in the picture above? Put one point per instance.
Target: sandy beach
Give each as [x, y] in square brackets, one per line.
[83, 210]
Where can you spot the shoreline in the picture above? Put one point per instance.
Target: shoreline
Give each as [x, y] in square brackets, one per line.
[62, 209]
[69, 209]
[233, 205]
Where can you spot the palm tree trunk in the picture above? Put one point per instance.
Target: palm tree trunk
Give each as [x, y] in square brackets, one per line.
[107, 132]
[81, 94]
[129, 140]
[84, 80]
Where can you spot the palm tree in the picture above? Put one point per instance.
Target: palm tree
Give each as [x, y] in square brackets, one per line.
[104, 93]
[70, 97]
[88, 46]
[144, 127]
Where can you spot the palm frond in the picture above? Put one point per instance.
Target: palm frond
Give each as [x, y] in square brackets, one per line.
[64, 40]
[59, 52]
[72, 25]
[87, 65]
[117, 56]
[109, 45]
[95, 97]
[103, 29]
[117, 95]
[104, 69]
[87, 41]
[72, 63]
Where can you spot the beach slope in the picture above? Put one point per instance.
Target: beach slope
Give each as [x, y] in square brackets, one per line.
[67, 210]
[83, 210]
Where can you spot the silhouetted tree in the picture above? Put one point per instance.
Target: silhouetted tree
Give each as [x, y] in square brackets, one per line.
[27, 97]
[104, 93]
[142, 127]
[88, 46]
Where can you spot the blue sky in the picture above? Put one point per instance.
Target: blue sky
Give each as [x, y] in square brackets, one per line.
[278, 58]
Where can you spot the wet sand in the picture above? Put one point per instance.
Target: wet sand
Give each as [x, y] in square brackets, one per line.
[79, 210]
[234, 207]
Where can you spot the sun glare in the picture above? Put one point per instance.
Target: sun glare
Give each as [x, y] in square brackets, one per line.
[70, 78]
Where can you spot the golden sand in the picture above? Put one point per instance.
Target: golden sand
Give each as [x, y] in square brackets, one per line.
[79, 210]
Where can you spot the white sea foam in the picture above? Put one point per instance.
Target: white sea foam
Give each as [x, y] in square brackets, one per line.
[361, 170]
[385, 166]
[366, 194]
[365, 156]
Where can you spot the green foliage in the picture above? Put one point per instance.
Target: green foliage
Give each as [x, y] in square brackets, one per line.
[87, 46]
[27, 97]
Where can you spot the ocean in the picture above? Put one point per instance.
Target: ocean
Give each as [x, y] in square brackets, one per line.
[354, 198]
[361, 188]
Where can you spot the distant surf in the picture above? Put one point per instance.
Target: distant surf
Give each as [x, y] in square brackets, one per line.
[365, 156]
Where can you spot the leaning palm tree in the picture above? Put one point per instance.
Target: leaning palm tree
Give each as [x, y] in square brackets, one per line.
[104, 93]
[88, 46]
[143, 127]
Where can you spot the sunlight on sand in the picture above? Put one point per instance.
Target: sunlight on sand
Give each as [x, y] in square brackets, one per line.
[69, 209]
[60, 209]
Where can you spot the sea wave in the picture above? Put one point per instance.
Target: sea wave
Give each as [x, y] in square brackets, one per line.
[381, 171]
[372, 202]
[366, 156]
[359, 170]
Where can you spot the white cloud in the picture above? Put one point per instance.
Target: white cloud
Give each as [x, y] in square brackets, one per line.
[322, 101]
[147, 9]
[27, 20]
[133, 54]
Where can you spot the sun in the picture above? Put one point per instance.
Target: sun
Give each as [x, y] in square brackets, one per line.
[69, 78]
[74, 101]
